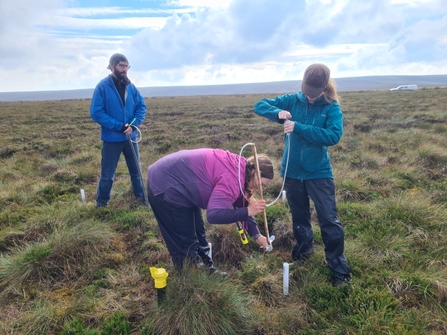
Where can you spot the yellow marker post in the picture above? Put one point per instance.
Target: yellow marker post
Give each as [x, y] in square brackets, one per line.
[159, 276]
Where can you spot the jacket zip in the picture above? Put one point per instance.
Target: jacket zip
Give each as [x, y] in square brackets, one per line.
[302, 151]
[125, 98]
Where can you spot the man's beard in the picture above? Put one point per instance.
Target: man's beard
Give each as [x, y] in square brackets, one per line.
[121, 76]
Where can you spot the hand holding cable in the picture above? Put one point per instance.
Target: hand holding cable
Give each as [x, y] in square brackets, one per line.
[289, 126]
[127, 130]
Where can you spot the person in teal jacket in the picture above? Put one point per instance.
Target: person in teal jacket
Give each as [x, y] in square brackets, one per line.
[118, 108]
[313, 121]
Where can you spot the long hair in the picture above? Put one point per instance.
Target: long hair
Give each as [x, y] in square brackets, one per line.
[265, 168]
[330, 92]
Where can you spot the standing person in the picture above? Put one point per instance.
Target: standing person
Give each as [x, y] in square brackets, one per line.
[118, 107]
[183, 183]
[313, 121]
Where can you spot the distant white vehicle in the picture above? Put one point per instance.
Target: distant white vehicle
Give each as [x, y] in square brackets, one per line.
[405, 88]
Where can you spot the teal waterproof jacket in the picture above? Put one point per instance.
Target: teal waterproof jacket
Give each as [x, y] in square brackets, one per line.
[317, 127]
[108, 110]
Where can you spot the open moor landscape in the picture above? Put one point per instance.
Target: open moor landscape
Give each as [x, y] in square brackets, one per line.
[67, 267]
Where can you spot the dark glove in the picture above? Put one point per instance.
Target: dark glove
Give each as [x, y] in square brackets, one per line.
[124, 128]
[280, 121]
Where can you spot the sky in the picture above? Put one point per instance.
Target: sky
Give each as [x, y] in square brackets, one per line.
[66, 44]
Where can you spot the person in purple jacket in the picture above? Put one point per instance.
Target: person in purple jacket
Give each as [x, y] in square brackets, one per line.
[183, 183]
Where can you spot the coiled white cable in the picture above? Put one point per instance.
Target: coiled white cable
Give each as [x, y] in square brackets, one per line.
[139, 136]
[285, 170]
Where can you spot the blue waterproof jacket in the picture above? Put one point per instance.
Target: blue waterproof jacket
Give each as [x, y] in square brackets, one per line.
[108, 110]
[317, 126]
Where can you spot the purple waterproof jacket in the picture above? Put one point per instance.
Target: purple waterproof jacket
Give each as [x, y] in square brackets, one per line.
[204, 178]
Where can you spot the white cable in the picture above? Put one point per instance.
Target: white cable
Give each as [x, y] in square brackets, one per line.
[285, 171]
[139, 136]
[239, 170]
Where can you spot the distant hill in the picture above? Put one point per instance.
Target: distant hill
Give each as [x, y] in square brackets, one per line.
[279, 87]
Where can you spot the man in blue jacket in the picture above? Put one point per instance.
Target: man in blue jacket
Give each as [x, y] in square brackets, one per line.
[118, 108]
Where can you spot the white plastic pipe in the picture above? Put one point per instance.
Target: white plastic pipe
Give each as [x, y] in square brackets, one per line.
[211, 250]
[82, 195]
[285, 279]
[283, 195]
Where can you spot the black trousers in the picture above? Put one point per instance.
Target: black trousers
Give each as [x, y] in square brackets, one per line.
[183, 230]
[322, 193]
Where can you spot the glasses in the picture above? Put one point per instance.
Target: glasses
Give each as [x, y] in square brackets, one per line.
[123, 66]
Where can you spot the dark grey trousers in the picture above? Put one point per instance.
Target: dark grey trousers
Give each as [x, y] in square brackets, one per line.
[183, 230]
[322, 193]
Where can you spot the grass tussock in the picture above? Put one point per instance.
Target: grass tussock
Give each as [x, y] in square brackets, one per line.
[68, 268]
[200, 303]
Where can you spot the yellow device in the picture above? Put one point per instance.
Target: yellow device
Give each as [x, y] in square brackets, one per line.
[242, 234]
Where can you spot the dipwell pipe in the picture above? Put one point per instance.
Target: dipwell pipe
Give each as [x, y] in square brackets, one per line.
[285, 279]
[159, 276]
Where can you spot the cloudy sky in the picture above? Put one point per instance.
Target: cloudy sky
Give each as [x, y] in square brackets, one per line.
[66, 44]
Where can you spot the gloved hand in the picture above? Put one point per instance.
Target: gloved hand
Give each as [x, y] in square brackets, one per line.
[124, 128]
[283, 116]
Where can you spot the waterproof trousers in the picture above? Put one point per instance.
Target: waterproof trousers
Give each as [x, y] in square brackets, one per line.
[111, 152]
[322, 193]
[183, 230]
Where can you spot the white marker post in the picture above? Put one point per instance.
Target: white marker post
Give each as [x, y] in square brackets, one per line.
[285, 279]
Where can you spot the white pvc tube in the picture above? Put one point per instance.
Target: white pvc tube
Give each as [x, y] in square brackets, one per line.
[283, 195]
[82, 195]
[285, 279]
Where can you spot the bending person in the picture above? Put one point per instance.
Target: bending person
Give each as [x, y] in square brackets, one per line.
[183, 183]
[314, 123]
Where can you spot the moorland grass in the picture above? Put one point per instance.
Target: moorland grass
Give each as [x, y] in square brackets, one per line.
[67, 267]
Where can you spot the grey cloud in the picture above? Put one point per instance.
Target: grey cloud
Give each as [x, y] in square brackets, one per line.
[21, 37]
[180, 42]
[258, 21]
[259, 30]
[414, 41]
[421, 42]
[366, 22]
[249, 31]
